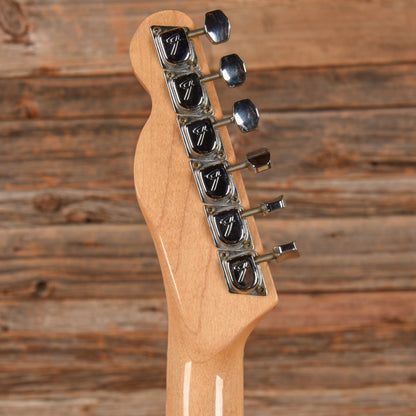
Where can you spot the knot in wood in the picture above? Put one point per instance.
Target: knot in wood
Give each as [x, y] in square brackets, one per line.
[47, 202]
[12, 19]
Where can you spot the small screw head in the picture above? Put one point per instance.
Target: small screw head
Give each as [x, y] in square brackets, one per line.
[183, 120]
[247, 244]
[207, 109]
[170, 75]
[194, 65]
[261, 290]
[223, 255]
[221, 154]
[210, 209]
[156, 30]
[196, 164]
[234, 199]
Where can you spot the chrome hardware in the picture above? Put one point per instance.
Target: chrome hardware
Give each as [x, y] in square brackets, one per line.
[200, 138]
[245, 116]
[187, 89]
[228, 224]
[217, 27]
[232, 70]
[174, 44]
[188, 95]
[229, 229]
[265, 208]
[213, 174]
[214, 182]
[283, 252]
[257, 161]
[242, 274]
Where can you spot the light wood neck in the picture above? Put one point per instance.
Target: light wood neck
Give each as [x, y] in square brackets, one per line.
[208, 325]
[212, 385]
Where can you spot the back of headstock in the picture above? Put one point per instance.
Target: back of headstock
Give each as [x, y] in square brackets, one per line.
[193, 198]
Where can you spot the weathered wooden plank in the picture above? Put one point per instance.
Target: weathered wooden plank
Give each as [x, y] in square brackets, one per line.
[372, 141]
[335, 144]
[113, 261]
[295, 311]
[130, 361]
[43, 37]
[139, 278]
[371, 401]
[335, 198]
[285, 89]
[336, 163]
[76, 241]
[73, 97]
[68, 206]
[82, 278]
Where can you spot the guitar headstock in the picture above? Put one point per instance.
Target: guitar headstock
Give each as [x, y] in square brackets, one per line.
[190, 189]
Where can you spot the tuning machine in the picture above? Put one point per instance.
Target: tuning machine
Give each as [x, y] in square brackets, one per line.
[229, 226]
[188, 91]
[200, 133]
[174, 44]
[214, 180]
[243, 271]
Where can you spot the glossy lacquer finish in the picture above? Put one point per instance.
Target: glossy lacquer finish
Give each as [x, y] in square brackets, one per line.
[208, 325]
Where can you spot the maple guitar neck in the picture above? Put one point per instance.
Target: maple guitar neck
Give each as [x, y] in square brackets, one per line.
[210, 386]
[216, 289]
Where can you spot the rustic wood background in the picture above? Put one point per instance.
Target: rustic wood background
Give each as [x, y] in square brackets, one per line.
[82, 311]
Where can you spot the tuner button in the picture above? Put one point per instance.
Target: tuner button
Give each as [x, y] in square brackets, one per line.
[232, 70]
[243, 273]
[216, 181]
[282, 252]
[257, 161]
[216, 27]
[265, 208]
[245, 116]
[273, 205]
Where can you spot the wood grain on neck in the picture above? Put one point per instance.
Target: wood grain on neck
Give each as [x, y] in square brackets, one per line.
[208, 326]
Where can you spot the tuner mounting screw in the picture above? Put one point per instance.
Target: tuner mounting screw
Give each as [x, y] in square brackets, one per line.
[196, 164]
[261, 289]
[194, 65]
[221, 154]
[247, 244]
[156, 30]
[207, 109]
[234, 199]
[183, 120]
[223, 254]
[170, 75]
[210, 209]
